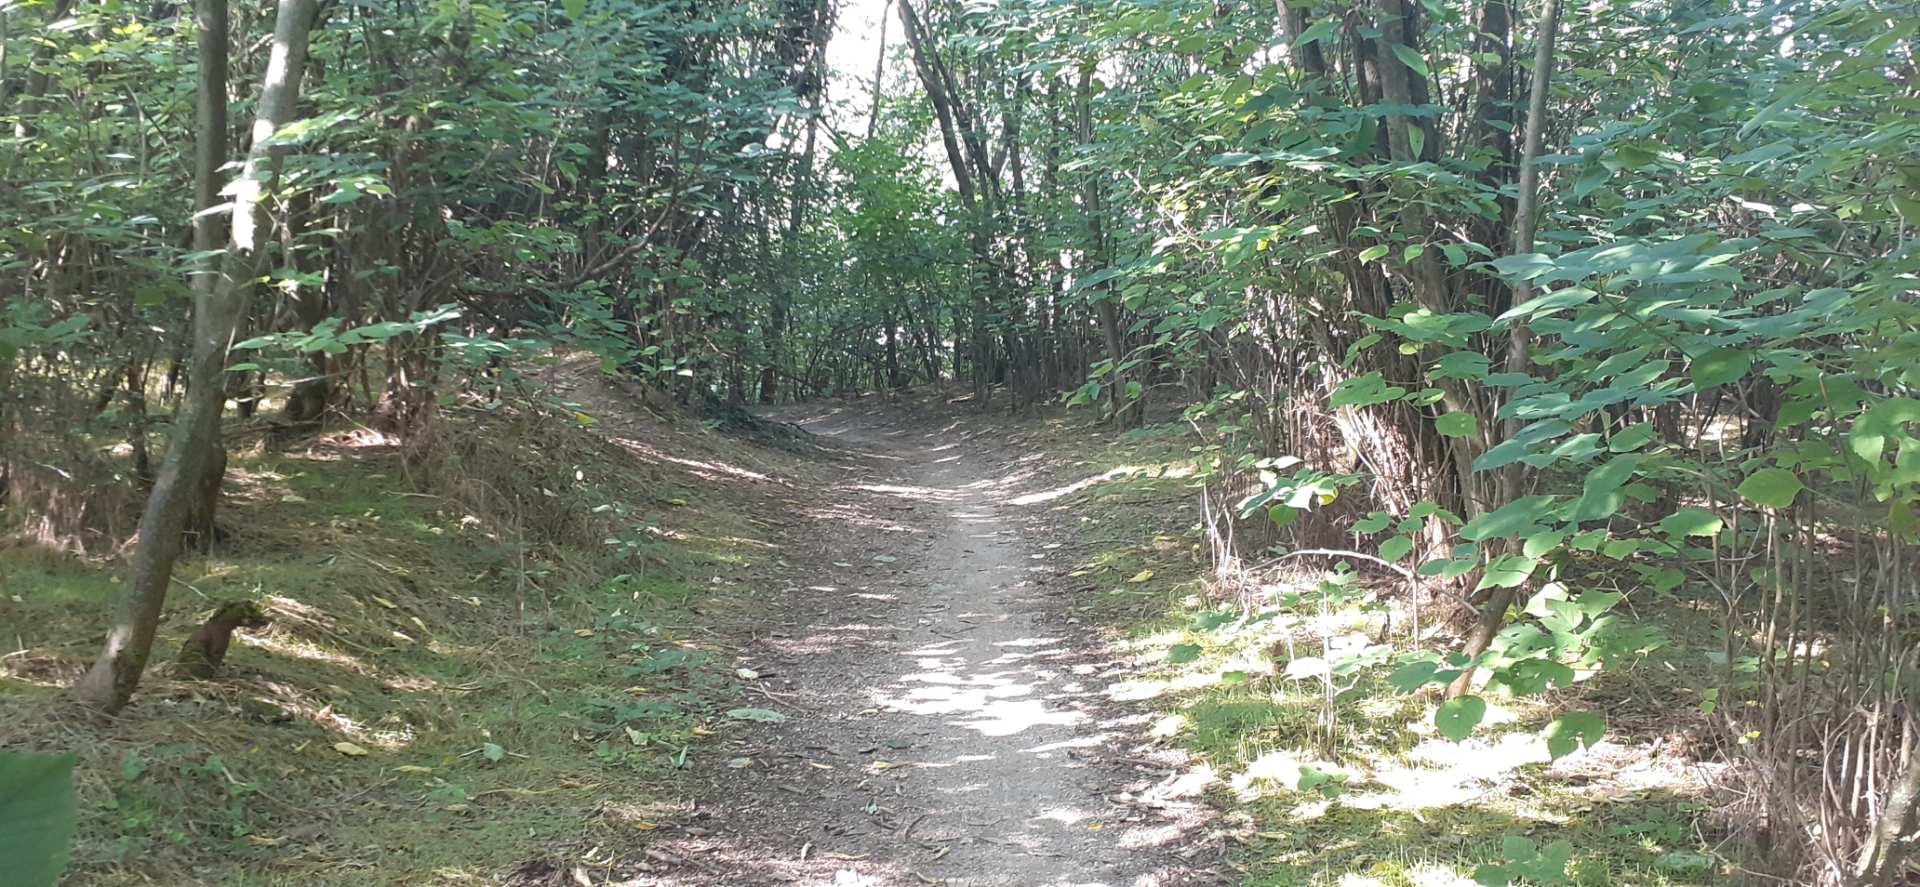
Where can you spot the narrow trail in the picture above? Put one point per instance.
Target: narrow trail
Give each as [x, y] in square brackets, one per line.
[950, 723]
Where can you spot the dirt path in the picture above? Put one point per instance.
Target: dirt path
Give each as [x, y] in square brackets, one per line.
[948, 720]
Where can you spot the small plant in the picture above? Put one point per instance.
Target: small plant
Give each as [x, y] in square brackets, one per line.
[1526, 863]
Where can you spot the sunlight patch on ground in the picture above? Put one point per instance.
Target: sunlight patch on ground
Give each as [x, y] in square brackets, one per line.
[709, 470]
[931, 494]
[1076, 486]
[1419, 876]
[1441, 773]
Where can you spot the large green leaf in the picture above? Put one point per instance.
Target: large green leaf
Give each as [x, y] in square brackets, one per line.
[1509, 571]
[1719, 366]
[1456, 718]
[1600, 494]
[36, 816]
[1882, 424]
[1574, 730]
[1456, 424]
[1774, 487]
[1691, 522]
[1521, 517]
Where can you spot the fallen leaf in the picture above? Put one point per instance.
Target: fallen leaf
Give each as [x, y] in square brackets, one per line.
[745, 674]
[766, 715]
[1141, 576]
[412, 768]
[583, 632]
[740, 763]
[350, 750]
[385, 603]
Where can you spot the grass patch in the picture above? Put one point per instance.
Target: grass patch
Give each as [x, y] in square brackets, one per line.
[450, 686]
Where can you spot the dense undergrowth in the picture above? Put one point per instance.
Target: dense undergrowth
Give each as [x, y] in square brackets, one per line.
[482, 658]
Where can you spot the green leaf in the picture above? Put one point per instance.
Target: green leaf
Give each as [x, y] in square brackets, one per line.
[1396, 548]
[1414, 675]
[1373, 252]
[1719, 366]
[1631, 438]
[1574, 730]
[1365, 391]
[36, 816]
[576, 9]
[1517, 848]
[1521, 517]
[1181, 654]
[1373, 523]
[1456, 424]
[1600, 494]
[763, 715]
[1773, 487]
[1691, 522]
[1510, 570]
[1321, 30]
[1411, 59]
[1870, 433]
[1538, 544]
[1590, 180]
[1456, 718]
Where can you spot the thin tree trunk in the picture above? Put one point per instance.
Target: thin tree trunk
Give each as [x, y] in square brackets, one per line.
[194, 449]
[879, 73]
[1494, 611]
[1884, 854]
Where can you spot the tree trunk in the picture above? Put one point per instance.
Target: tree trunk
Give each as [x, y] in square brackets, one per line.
[194, 448]
[1885, 852]
[1493, 612]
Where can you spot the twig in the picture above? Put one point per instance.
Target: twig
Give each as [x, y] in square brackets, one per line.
[1339, 552]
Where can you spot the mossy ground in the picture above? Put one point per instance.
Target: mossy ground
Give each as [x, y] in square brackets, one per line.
[447, 693]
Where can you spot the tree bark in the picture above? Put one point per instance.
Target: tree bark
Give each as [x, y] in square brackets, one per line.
[1885, 852]
[879, 73]
[1493, 612]
[219, 300]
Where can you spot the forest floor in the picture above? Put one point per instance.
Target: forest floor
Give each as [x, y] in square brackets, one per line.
[919, 644]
